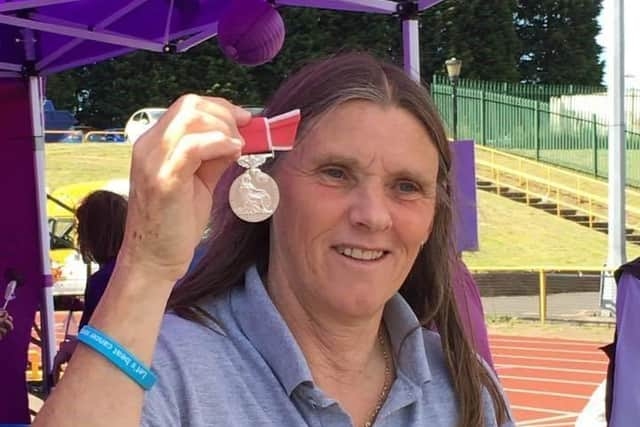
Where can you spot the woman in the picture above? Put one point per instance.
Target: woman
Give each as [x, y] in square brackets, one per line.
[101, 218]
[317, 316]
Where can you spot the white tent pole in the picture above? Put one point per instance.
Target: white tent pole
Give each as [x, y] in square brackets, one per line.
[617, 253]
[47, 322]
[408, 12]
[411, 47]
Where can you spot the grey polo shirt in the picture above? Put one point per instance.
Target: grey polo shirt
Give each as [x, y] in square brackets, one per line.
[251, 372]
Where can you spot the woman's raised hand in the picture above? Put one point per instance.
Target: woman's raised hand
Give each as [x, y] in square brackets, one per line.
[175, 167]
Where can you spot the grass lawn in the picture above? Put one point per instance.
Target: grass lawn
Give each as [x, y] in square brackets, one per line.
[511, 234]
[73, 163]
[514, 235]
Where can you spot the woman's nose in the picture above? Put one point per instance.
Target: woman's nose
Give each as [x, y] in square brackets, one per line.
[370, 208]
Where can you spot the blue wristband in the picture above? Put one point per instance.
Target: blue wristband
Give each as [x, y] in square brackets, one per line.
[123, 359]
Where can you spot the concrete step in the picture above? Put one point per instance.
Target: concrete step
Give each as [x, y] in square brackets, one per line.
[504, 191]
[582, 219]
[534, 200]
[604, 227]
[568, 212]
[545, 205]
[490, 188]
[513, 194]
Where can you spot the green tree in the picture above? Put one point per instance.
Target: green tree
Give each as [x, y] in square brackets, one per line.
[479, 32]
[559, 41]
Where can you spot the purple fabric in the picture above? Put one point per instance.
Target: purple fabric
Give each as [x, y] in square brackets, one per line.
[19, 245]
[147, 22]
[466, 215]
[251, 32]
[470, 309]
[625, 411]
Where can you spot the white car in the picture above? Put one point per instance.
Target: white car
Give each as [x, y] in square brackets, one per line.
[140, 121]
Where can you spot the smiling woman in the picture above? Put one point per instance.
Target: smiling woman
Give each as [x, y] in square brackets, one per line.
[322, 314]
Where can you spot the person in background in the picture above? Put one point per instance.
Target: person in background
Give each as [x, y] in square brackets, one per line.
[319, 315]
[101, 218]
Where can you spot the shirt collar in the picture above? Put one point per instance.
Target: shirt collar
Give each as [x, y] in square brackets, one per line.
[263, 325]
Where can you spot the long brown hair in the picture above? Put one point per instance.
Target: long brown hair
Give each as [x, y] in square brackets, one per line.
[234, 245]
[101, 219]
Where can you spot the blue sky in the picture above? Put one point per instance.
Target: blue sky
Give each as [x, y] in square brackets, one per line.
[632, 38]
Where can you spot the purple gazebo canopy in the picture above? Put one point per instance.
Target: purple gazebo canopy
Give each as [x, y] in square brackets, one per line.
[54, 35]
[45, 36]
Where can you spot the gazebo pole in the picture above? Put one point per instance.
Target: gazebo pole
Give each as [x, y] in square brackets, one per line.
[410, 39]
[47, 322]
[617, 173]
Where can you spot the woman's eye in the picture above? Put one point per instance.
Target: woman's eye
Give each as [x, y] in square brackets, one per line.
[408, 187]
[335, 173]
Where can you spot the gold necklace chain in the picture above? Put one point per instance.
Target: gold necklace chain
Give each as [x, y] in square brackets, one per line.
[387, 381]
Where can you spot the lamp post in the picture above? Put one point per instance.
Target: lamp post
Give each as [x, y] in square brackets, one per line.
[454, 66]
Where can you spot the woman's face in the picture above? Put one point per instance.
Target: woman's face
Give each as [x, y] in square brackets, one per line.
[357, 200]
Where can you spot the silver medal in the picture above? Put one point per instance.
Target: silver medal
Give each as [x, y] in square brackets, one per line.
[254, 195]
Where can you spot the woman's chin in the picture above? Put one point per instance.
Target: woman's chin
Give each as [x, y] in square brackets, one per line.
[359, 303]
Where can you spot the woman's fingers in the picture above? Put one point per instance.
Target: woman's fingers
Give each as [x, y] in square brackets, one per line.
[239, 114]
[204, 154]
[194, 130]
[190, 113]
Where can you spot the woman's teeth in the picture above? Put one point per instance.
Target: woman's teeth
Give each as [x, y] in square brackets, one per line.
[361, 254]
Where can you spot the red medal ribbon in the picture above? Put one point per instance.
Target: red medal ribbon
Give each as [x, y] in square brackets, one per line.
[264, 135]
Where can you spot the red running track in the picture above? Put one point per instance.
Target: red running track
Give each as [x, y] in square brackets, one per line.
[548, 381]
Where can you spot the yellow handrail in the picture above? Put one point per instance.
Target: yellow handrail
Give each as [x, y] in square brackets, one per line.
[551, 186]
[590, 213]
[549, 183]
[542, 302]
[580, 179]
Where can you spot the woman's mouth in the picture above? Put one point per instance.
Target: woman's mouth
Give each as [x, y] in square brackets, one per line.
[361, 254]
